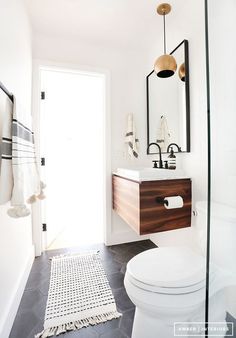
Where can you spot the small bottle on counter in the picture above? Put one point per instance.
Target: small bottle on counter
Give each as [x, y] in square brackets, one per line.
[172, 160]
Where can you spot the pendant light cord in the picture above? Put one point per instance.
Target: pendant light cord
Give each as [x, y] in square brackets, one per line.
[164, 23]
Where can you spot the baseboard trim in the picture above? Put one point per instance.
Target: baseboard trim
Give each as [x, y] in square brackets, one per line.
[16, 297]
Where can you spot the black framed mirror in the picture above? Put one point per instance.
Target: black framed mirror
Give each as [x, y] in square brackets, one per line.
[168, 105]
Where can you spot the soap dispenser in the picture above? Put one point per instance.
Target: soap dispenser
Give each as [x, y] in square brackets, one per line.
[172, 159]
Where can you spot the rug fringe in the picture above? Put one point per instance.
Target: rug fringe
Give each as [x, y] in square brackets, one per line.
[93, 252]
[78, 324]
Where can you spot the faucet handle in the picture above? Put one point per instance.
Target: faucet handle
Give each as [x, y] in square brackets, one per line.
[155, 164]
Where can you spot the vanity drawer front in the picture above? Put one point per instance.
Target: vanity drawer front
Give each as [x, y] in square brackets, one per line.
[154, 217]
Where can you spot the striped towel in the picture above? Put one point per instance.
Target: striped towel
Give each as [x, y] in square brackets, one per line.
[6, 174]
[131, 139]
[18, 162]
[27, 186]
[163, 134]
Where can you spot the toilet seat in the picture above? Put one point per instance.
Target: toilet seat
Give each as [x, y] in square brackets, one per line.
[168, 270]
[166, 290]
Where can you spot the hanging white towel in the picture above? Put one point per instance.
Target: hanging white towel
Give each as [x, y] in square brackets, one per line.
[163, 134]
[6, 175]
[26, 181]
[131, 139]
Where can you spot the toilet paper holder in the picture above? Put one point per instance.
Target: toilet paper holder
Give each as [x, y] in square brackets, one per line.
[162, 201]
[171, 202]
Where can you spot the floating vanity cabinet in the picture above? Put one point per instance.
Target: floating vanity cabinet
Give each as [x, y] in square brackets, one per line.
[137, 203]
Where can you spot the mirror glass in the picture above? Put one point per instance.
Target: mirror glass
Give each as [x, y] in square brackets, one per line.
[168, 110]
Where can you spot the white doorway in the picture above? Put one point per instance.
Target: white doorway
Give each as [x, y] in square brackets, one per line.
[72, 126]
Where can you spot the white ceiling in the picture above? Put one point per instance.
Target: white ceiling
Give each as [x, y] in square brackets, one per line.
[118, 22]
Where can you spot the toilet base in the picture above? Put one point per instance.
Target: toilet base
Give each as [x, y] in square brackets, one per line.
[149, 326]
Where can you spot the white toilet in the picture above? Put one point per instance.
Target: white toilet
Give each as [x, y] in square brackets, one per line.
[167, 285]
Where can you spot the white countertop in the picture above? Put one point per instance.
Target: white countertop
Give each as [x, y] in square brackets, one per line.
[150, 174]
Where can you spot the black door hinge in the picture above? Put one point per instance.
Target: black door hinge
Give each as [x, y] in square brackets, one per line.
[42, 95]
[42, 161]
[44, 227]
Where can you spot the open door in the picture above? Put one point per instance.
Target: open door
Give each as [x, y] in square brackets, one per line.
[72, 135]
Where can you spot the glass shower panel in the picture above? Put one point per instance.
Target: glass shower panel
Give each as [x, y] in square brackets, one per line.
[222, 68]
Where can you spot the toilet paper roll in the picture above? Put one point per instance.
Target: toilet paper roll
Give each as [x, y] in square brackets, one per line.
[173, 202]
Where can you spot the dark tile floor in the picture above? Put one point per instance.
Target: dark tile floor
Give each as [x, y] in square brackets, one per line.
[30, 316]
[232, 326]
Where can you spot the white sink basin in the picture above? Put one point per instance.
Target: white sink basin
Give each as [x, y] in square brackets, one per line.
[145, 174]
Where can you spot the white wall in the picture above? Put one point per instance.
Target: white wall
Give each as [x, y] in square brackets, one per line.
[189, 24]
[128, 94]
[223, 103]
[16, 250]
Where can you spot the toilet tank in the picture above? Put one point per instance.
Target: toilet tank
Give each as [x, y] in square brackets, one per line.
[223, 233]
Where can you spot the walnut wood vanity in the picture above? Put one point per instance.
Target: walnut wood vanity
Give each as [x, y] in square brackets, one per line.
[136, 203]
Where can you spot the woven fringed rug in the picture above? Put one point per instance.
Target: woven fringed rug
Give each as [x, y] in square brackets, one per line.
[79, 295]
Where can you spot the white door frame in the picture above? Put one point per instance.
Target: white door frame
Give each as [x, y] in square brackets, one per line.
[39, 65]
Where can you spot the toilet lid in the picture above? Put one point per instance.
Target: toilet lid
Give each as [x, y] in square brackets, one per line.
[168, 267]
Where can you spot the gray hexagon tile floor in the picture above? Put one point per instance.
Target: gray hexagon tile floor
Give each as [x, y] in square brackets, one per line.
[30, 316]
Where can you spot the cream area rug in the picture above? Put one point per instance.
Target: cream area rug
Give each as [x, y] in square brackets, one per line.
[79, 295]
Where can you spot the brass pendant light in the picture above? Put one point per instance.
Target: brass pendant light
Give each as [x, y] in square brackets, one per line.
[182, 72]
[165, 66]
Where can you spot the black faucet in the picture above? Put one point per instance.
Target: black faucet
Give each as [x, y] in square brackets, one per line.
[173, 144]
[160, 156]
